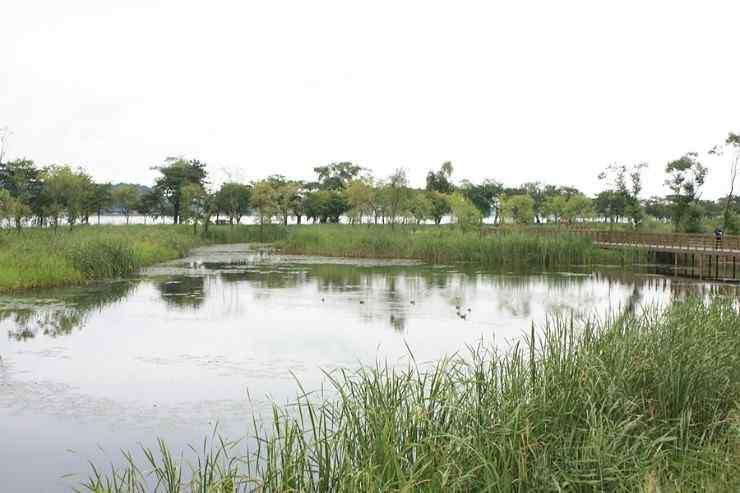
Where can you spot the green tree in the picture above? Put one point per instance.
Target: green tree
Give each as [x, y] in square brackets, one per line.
[440, 181]
[484, 196]
[439, 206]
[194, 205]
[125, 197]
[395, 194]
[577, 207]
[336, 176]
[22, 180]
[12, 209]
[420, 207]
[685, 179]
[67, 191]
[465, 214]
[360, 197]
[731, 147]
[233, 199]
[102, 198]
[176, 173]
[264, 203]
[554, 207]
[519, 208]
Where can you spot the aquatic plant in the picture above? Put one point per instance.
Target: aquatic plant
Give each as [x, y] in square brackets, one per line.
[37, 257]
[446, 245]
[645, 402]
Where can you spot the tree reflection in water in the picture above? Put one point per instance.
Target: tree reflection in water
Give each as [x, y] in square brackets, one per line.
[391, 294]
[69, 311]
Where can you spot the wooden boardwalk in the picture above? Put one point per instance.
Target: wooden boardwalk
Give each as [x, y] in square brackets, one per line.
[705, 244]
[692, 255]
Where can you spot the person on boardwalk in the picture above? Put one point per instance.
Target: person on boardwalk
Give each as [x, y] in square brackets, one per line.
[718, 233]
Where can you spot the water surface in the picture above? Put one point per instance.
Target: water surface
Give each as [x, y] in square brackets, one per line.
[217, 336]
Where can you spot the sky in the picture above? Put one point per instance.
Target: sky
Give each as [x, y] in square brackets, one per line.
[512, 91]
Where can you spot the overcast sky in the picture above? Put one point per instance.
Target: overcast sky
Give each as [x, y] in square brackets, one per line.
[515, 91]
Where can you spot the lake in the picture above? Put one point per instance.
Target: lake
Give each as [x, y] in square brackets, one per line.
[218, 336]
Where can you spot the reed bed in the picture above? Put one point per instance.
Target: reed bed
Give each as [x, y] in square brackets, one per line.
[447, 245]
[38, 258]
[645, 402]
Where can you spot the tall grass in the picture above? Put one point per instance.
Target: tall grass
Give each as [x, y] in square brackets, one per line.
[442, 244]
[37, 258]
[634, 403]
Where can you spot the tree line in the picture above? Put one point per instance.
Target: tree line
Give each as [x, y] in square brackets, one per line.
[44, 196]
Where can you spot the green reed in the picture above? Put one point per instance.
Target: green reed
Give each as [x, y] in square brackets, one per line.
[446, 244]
[37, 258]
[645, 402]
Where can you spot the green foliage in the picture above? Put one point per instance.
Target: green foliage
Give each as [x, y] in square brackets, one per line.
[484, 196]
[518, 208]
[644, 402]
[440, 206]
[466, 215]
[233, 199]
[444, 244]
[360, 199]
[686, 177]
[336, 176]
[127, 197]
[38, 258]
[66, 192]
[176, 173]
[440, 181]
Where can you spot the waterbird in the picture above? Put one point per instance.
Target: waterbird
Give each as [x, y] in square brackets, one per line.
[469, 310]
[457, 307]
[463, 316]
[322, 300]
[362, 302]
[413, 302]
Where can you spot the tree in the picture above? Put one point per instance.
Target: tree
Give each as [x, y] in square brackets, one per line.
[176, 174]
[622, 197]
[440, 181]
[420, 206]
[439, 206]
[336, 176]
[285, 192]
[520, 208]
[126, 197]
[12, 209]
[554, 207]
[536, 193]
[22, 180]
[484, 196]
[233, 199]
[466, 215]
[102, 198]
[577, 207]
[151, 204]
[732, 147]
[395, 194]
[685, 179]
[264, 202]
[360, 198]
[194, 205]
[66, 190]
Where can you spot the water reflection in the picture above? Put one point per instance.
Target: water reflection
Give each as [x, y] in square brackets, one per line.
[385, 293]
[187, 292]
[58, 312]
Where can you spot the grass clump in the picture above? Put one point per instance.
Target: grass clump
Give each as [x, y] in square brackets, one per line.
[634, 403]
[446, 245]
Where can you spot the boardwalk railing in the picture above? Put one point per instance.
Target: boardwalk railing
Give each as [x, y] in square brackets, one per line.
[653, 241]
